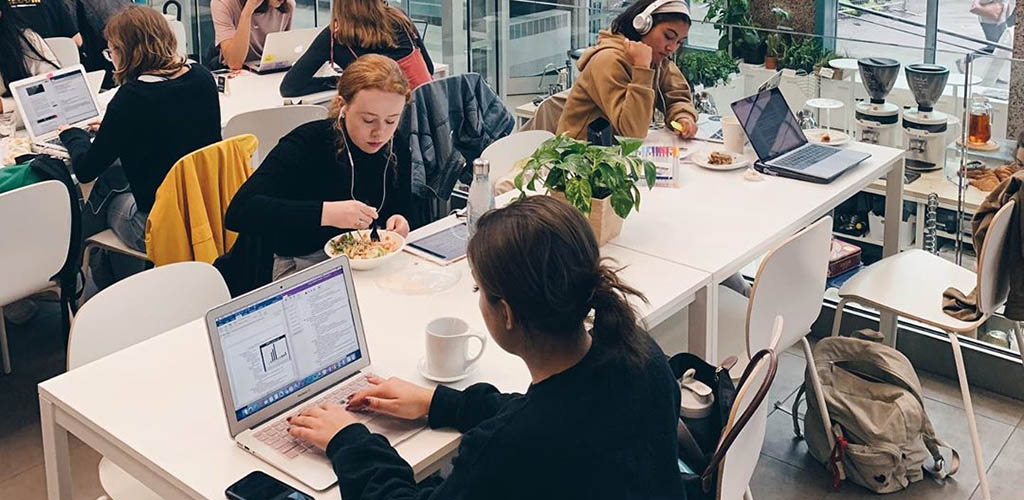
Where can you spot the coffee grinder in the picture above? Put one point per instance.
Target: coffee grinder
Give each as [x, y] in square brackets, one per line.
[878, 121]
[924, 129]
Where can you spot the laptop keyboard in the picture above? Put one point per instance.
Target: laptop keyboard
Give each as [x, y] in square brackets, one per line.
[805, 157]
[276, 435]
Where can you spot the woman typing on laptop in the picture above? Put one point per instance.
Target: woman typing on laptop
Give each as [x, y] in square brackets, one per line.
[360, 27]
[163, 110]
[23, 53]
[330, 176]
[599, 418]
[631, 72]
[241, 26]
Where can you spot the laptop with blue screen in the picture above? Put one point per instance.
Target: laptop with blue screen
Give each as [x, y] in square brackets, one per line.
[292, 344]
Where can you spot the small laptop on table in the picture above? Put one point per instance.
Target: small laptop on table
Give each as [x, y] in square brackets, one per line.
[49, 100]
[781, 146]
[293, 344]
[281, 49]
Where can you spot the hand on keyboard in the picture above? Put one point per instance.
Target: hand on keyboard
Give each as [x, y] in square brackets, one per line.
[318, 424]
[395, 397]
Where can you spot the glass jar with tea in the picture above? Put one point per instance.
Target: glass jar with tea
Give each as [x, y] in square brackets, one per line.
[979, 130]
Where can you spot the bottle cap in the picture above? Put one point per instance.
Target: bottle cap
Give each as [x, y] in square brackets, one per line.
[696, 397]
[481, 166]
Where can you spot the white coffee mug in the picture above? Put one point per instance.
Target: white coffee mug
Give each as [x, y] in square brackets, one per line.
[733, 135]
[448, 347]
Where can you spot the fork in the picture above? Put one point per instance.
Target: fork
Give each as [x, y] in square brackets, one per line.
[374, 235]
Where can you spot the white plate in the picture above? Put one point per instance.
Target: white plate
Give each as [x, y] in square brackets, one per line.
[422, 366]
[738, 160]
[836, 138]
[367, 264]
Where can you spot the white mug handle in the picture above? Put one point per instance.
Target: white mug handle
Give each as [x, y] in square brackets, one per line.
[483, 343]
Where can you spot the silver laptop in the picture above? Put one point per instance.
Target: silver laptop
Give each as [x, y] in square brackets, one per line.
[46, 101]
[292, 344]
[281, 49]
[781, 146]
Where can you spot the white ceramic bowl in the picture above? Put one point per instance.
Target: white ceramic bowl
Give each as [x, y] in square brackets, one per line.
[367, 264]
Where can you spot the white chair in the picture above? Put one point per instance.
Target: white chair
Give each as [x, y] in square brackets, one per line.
[65, 50]
[130, 311]
[911, 283]
[107, 240]
[790, 283]
[740, 458]
[271, 124]
[36, 223]
[505, 152]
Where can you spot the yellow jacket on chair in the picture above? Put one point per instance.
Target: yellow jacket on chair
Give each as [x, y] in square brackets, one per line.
[187, 220]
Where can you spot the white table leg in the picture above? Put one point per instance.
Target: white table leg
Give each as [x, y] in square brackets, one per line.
[703, 324]
[56, 454]
[891, 241]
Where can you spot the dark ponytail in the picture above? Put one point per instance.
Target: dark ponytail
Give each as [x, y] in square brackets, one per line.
[540, 256]
[615, 320]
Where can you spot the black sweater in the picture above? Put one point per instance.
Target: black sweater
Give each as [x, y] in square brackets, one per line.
[149, 126]
[283, 199]
[604, 428]
[300, 81]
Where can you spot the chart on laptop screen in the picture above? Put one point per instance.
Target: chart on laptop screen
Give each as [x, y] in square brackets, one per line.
[288, 341]
[64, 99]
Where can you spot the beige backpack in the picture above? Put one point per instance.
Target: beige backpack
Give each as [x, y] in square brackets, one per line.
[873, 396]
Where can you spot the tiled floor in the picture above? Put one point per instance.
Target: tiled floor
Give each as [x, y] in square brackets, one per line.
[785, 470]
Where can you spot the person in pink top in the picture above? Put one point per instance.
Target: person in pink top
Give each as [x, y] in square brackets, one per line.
[241, 27]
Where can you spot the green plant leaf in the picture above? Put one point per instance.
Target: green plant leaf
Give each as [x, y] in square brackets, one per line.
[628, 145]
[651, 174]
[622, 202]
[518, 182]
[577, 193]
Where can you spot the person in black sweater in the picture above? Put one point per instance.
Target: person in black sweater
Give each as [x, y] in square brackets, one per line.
[360, 27]
[163, 110]
[331, 176]
[599, 418]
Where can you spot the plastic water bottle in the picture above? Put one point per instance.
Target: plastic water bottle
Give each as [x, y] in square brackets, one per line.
[481, 194]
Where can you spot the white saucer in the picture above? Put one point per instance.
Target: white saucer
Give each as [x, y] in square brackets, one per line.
[837, 138]
[422, 367]
[700, 158]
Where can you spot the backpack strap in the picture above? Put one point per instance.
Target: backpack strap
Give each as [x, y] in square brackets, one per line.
[934, 444]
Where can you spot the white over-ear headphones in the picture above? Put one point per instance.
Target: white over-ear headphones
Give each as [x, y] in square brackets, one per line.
[644, 21]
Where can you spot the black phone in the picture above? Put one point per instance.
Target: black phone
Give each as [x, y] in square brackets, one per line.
[257, 485]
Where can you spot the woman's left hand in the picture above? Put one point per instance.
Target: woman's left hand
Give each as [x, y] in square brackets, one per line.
[318, 424]
[398, 224]
[689, 127]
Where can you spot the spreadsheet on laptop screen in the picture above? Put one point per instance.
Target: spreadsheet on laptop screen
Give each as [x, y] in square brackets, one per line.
[288, 341]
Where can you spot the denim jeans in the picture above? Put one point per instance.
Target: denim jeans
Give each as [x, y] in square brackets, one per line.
[112, 206]
[286, 266]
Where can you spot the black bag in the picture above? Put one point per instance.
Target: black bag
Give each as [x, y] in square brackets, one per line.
[701, 444]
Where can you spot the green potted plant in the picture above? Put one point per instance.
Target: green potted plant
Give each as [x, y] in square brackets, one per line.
[776, 48]
[600, 181]
[776, 42]
[706, 68]
[732, 18]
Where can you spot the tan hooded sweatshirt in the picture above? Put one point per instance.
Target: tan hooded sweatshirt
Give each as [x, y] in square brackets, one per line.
[610, 86]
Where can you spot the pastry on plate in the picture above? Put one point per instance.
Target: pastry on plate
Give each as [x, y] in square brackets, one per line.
[719, 158]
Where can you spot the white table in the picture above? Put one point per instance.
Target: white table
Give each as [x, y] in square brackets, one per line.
[718, 222]
[250, 91]
[154, 409]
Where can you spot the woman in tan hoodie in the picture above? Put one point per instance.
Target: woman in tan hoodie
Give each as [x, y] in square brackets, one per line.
[630, 71]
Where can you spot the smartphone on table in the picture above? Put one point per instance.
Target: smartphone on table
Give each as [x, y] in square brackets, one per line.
[258, 485]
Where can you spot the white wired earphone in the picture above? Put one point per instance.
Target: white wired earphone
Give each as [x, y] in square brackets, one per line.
[352, 165]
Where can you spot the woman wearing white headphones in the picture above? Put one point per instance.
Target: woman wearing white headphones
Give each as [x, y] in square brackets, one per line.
[330, 176]
[631, 71]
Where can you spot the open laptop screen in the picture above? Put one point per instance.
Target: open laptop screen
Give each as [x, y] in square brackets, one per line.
[769, 124]
[62, 99]
[288, 341]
